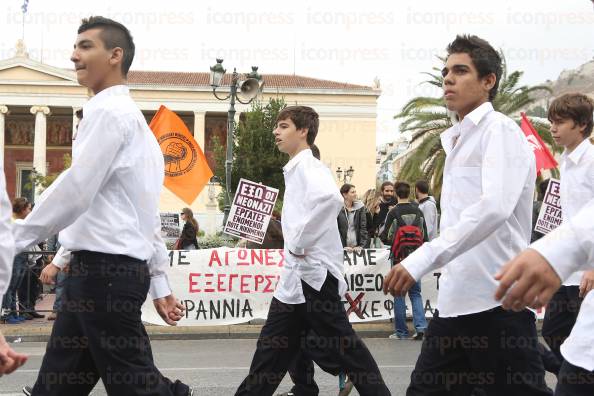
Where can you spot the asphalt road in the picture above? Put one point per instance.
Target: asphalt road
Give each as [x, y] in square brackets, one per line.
[217, 367]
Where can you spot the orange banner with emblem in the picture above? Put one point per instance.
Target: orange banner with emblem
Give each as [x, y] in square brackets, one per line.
[186, 168]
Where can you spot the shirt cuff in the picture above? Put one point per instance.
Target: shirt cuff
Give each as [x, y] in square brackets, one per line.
[564, 261]
[159, 287]
[61, 260]
[296, 250]
[417, 264]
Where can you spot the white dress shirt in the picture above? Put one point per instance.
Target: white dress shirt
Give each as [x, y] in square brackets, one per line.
[108, 200]
[6, 239]
[310, 206]
[568, 248]
[577, 187]
[486, 201]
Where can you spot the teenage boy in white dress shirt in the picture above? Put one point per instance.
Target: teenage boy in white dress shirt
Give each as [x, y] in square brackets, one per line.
[486, 200]
[536, 274]
[308, 294]
[571, 125]
[105, 207]
[9, 359]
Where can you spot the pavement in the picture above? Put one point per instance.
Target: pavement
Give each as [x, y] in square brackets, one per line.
[215, 367]
[39, 330]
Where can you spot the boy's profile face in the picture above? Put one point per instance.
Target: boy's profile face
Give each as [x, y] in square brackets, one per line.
[94, 64]
[463, 89]
[566, 132]
[288, 138]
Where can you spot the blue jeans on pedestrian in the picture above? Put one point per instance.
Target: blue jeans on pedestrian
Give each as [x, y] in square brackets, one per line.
[19, 266]
[418, 311]
[60, 278]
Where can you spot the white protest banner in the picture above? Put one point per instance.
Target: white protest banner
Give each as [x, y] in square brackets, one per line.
[250, 213]
[233, 285]
[549, 216]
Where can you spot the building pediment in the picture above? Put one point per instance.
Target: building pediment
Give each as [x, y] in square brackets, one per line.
[21, 70]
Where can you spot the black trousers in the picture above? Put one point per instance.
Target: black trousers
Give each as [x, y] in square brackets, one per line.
[302, 369]
[284, 336]
[98, 333]
[574, 381]
[490, 353]
[560, 316]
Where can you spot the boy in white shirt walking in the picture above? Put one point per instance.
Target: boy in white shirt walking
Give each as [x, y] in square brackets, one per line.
[308, 294]
[571, 125]
[486, 202]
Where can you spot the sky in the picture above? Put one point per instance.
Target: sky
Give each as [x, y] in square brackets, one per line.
[349, 41]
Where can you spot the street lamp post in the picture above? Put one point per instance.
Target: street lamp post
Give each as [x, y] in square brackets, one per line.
[248, 89]
[346, 175]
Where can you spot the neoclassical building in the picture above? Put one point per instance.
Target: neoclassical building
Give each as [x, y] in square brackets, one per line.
[38, 104]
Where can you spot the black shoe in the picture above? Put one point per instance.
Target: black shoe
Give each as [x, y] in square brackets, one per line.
[27, 390]
[418, 336]
[36, 315]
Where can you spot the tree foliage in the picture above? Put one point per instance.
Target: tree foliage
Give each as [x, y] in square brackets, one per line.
[255, 156]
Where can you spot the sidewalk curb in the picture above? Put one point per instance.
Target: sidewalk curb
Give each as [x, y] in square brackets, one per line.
[241, 331]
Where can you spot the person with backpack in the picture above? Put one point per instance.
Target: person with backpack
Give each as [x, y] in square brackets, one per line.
[406, 231]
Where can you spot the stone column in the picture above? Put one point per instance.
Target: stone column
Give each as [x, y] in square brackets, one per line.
[199, 128]
[40, 141]
[3, 112]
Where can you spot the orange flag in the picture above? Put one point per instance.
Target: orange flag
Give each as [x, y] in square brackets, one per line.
[186, 168]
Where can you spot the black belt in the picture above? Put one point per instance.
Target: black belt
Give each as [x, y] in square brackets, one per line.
[114, 258]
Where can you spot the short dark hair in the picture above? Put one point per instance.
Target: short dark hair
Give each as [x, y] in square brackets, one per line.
[19, 204]
[113, 34]
[422, 186]
[315, 151]
[386, 184]
[303, 117]
[402, 190]
[485, 58]
[573, 106]
[346, 188]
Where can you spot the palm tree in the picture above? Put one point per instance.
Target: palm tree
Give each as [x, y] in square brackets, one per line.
[427, 117]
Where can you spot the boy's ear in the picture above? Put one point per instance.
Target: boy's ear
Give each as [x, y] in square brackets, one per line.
[304, 131]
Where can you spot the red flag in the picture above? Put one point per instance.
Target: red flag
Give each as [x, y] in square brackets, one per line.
[544, 158]
[186, 168]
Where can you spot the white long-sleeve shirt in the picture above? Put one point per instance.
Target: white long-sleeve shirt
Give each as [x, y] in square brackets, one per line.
[568, 248]
[108, 200]
[486, 201]
[6, 239]
[577, 187]
[310, 206]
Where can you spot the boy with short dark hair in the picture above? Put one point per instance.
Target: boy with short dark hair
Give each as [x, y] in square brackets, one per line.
[308, 294]
[404, 214]
[486, 201]
[112, 190]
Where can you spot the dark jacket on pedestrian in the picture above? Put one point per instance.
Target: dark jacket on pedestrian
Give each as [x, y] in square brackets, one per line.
[408, 212]
[273, 239]
[188, 235]
[379, 219]
[356, 220]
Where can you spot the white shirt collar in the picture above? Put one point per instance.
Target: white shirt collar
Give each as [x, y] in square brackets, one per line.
[471, 120]
[96, 100]
[576, 155]
[297, 159]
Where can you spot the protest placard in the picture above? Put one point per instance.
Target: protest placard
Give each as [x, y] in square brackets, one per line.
[170, 225]
[549, 216]
[251, 210]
